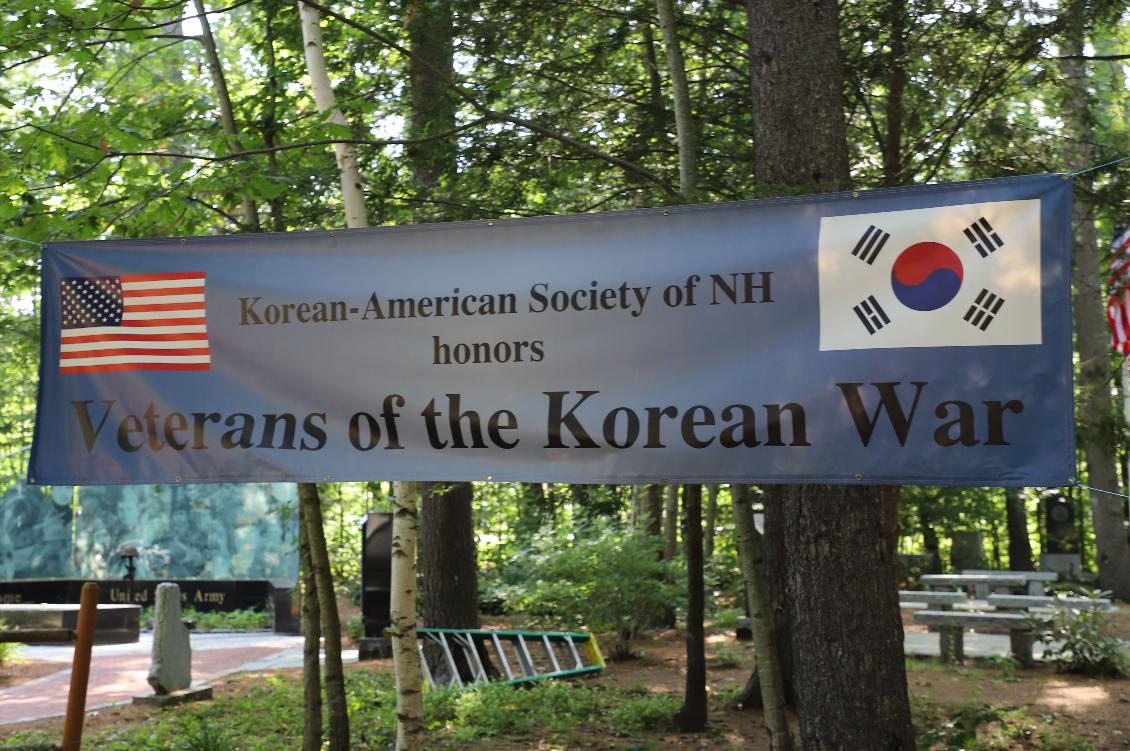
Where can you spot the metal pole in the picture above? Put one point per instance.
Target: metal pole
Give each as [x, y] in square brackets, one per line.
[80, 669]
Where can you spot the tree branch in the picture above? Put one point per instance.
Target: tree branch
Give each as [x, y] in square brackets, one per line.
[492, 114]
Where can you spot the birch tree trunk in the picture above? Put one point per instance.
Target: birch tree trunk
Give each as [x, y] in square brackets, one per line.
[1097, 432]
[402, 607]
[351, 192]
[227, 113]
[751, 554]
[680, 93]
[355, 217]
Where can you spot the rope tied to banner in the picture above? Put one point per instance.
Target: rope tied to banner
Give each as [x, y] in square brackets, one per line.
[21, 240]
[1098, 167]
[1100, 490]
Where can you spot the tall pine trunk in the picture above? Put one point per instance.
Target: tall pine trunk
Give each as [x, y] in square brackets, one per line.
[769, 683]
[312, 643]
[447, 531]
[848, 673]
[337, 709]
[1016, 519]
[692, 715]
[1097, 433]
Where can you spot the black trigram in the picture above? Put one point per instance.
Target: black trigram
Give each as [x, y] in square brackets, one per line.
[872, 315]
[984, 238]
[868, 247]
[984, 309]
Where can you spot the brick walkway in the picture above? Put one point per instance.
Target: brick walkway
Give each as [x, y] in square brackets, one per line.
[117, 673]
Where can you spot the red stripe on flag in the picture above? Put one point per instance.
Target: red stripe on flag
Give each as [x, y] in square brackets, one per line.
[86, 353]
[162, 306]
[163, 322]
[124, 337]
[134, 366]
[129, 294]
[126, 278]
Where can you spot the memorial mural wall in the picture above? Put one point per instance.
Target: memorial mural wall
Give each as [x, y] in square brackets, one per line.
[225, 531]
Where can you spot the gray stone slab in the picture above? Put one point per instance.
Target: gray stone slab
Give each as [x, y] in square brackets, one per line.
[1029, 601]
[170, 668]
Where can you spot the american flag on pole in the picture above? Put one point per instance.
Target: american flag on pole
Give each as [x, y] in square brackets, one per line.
[1118, 292]
[133, 322]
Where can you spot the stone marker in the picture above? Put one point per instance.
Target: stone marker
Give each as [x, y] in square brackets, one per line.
[171, 666]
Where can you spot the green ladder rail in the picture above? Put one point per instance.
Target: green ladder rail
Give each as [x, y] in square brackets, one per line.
[538, 655]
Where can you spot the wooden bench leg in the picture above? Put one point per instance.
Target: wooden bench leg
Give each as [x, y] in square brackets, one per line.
[1021, 642]
[952, 642]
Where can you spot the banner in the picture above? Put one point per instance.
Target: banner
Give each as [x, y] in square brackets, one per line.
[911, 335]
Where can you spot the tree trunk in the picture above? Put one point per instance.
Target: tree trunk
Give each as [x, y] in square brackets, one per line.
[355, 217]
[680, 94]
[930, 542]
[447, 563]
[847, 655]
[711, 520]
[402, 607]
[653, 510]
[798, 112]
[338, 710]
[1016, 517]
[227, 113]
[692, 716]
[311, 645]
[896, 84]
[769, 679]
[847, 652]
[1097, 432]
[449, 568]
[352, 195]
[431, 32]
[670, 523]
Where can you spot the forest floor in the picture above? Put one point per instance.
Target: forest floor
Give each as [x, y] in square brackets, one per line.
[986, 704]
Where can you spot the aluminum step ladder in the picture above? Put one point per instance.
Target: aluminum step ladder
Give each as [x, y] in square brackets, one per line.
[514, 656]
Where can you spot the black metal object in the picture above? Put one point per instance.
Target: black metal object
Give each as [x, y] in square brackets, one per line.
[376, 584]
[1062, 533]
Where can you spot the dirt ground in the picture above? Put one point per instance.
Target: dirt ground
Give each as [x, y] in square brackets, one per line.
[1098, 709]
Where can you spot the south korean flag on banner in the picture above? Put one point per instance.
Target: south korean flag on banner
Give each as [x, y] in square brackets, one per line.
[952, 276]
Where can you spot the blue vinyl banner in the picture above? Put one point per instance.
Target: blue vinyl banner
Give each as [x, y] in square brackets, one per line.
[910, 335]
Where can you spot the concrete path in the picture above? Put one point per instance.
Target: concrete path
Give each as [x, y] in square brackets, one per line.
[118, 671]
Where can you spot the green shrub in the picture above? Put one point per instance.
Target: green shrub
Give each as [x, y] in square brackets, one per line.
[975, 727]
[496, 710]
[603, 577]
[8, 649]
[355, 627]
[643, 713]
[1079, 641]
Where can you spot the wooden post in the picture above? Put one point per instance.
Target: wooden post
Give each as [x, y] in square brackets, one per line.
[80, 668]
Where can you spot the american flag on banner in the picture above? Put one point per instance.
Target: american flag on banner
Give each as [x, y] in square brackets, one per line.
[1118, 291]
[133, 322]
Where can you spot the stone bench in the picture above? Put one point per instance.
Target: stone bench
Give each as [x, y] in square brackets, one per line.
[114, 624]
[952, 625]
[1026, 602]
[939, 600]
